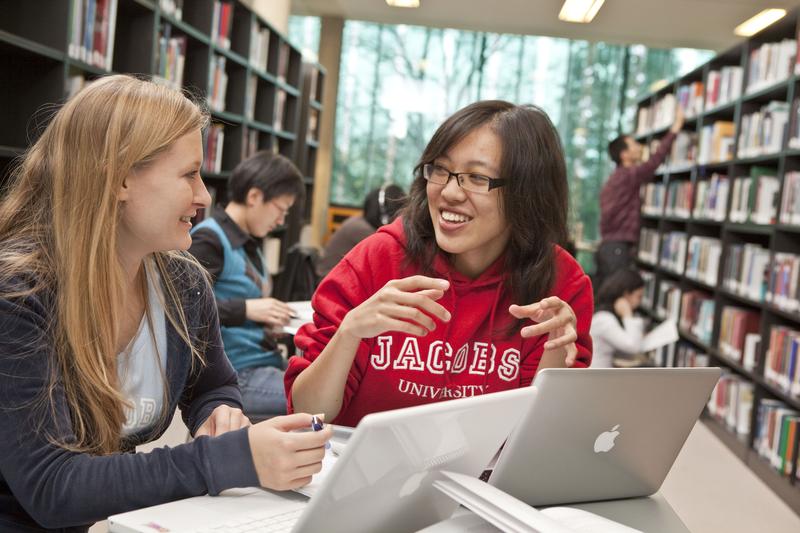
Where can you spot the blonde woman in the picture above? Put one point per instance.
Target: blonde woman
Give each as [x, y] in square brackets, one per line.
[106, 326]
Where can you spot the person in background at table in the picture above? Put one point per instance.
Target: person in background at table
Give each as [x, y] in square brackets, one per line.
[620, 201]
[380, 208]
[467, 293]
[106, 325]
[262, 188]
[615, 330]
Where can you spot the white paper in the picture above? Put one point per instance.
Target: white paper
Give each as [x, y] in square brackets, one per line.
[304, 314]
[662, 335]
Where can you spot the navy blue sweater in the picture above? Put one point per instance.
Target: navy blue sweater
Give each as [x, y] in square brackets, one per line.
[45, 487]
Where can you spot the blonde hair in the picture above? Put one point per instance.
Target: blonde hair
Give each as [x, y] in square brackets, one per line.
[58, 231]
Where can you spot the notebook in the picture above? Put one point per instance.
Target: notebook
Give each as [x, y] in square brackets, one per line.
[383, 480]
[601, 434]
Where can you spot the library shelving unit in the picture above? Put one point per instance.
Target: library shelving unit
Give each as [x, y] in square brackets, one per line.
[246, 73]
[720, 242]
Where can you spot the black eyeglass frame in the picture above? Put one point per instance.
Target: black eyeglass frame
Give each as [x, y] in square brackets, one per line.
[494, 183]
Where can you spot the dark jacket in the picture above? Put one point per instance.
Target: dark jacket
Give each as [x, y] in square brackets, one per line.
[45, 486]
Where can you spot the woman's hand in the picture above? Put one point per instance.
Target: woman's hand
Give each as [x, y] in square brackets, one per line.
[623, 307]
[405, 305]
[221, 420]
[285, 459]
[268, 311]
[555, 318]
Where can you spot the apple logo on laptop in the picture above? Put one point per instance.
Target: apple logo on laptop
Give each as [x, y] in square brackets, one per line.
[605, 441]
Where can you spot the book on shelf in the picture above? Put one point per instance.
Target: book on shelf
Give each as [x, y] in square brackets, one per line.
[770, 63]
[171, 57]
[697, 315]
[673, 251]
[312, 131]
[282, 71]
[259, 46]
[781, 367]
[313, 81]
[93, 27]
[250, 97]
[712, 198]
[683, 153]
[782, 285]
[736, 323]
[679, 199]
[776, 434]
[762, 132]
[648, 297]
[716, 142]
[75, 84]
[703, 254]
[731, 403]
[213, 143]
[688, 356]
[745, 271]
[668, 303]
[790, 201]
[221, 20]
[172, 8]
[652, 198]
[250, 144]
[280, 109]
[755, 197]
[657, 116]
[723, 87]
[218, 83]
[648, 245]
[690, 98]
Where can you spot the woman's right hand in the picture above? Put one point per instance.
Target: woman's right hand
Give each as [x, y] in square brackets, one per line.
[285, 459]
[623, 307]
[268, 311]
[405, 305]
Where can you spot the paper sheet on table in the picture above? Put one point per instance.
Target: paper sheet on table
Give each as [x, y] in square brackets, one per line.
[327, 465]
[304, 312]
[662, 335]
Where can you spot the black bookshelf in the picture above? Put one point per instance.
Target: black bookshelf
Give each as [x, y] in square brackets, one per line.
[772, 237]
[263, 104]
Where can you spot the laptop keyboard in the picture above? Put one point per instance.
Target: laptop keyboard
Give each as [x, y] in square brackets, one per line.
[258, 523]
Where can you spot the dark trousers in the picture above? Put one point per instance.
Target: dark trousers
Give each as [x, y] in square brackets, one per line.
[610, 257]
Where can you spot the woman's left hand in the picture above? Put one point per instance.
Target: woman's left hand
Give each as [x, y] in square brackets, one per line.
[221, 420]
[554, 317]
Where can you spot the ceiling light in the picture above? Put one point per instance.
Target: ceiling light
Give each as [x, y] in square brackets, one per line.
[579, 10]
[403, 3]
[759, 22]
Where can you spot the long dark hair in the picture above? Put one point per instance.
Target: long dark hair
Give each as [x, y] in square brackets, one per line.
[535, 199]
[615, 286]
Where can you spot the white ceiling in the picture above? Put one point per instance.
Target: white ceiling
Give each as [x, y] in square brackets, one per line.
[658, 23]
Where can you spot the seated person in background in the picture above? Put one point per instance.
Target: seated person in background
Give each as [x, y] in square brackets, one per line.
[615, 329]
[380, 207]
[106, 326]
[262, 189]
[439, 303]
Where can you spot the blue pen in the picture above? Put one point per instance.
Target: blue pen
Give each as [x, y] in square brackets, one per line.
[317, 425]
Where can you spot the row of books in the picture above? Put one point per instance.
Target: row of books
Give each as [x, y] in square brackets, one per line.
[781, 364]
[739, 336]
[703, 255]
[794, 125]
[212, 148]
[217, 83]
[745, 270]
[673, 251]
[648, 297]
[697, 315]
[776, 434]
[689, 356]
[679, 199]
[712, 198]
[731, 403]
[221, 22]
[172, 8]
[771, 63]
[92, 32]
[723, 86]
[668, 304]
[649, 240]
[762, 132]
[782, 285]
[171, 57]
[755, 197]
[690, 98]
[652, 198]
[790, 201]
[659, 115]
[683, 153]
[716, 142]
[259, 46]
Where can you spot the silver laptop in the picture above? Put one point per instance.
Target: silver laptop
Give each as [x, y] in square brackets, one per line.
[601, 434]
[381, 482]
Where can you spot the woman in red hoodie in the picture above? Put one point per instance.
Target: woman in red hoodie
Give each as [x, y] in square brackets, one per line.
[467, 293]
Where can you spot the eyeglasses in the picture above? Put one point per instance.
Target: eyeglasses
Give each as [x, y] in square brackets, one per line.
[283, 210]
[469, 181]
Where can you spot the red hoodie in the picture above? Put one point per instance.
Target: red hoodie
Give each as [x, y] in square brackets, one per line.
[466, 356]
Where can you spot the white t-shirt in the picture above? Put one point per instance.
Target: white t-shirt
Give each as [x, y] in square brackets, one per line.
[610, 338]
[142, 366]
